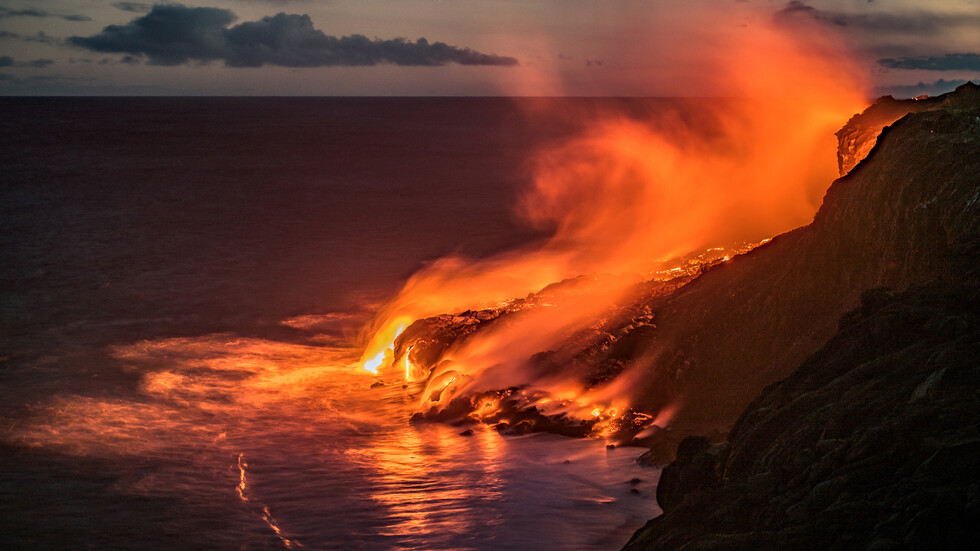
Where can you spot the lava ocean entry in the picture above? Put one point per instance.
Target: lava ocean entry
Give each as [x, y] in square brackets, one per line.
[634, 207]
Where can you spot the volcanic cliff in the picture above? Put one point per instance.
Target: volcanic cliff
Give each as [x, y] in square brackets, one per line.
[874, 440]
[903, 216]
[711, 339]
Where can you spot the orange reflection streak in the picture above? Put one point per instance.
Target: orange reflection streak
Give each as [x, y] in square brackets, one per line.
[629, 193]
[409, 485]
[242, 483]
[267, 517]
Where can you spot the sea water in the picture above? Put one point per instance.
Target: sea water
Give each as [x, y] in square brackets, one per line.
[182, 282]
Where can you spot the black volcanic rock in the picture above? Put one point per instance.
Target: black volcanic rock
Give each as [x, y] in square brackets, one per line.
[908, 214]
[873, 443]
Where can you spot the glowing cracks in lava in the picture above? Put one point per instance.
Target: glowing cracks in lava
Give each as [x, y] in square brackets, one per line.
[408, 364]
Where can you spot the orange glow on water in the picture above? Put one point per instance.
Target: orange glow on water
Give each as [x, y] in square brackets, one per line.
[276, 437]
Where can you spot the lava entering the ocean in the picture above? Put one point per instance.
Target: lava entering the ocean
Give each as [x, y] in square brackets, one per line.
[625, 202]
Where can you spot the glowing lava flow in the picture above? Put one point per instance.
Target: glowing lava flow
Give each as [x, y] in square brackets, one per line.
[382, 345]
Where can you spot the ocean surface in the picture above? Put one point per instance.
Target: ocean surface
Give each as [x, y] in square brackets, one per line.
[182, 283]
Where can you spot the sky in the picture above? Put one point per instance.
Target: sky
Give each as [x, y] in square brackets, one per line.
[454, 47]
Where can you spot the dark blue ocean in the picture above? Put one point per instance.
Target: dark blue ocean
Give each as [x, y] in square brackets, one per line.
[182, 283]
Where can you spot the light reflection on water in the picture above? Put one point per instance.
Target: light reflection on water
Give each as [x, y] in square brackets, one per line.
[299, 448]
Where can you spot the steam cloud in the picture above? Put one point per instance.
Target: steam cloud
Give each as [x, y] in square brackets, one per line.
[630, 192]
[175, 34]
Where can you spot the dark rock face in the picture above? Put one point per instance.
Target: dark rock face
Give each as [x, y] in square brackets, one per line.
[874, 442]
[906, 215]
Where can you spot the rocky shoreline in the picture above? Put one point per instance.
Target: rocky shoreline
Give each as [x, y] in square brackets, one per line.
[873, 442]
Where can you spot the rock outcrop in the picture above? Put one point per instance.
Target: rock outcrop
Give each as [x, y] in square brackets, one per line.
[873, 443]
[858, 136]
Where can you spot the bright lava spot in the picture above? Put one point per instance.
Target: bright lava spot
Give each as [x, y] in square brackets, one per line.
[374, 363]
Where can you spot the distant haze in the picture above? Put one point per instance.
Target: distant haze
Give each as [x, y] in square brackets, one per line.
[433, 47]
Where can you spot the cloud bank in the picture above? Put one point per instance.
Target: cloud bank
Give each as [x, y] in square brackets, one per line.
[175, 34]
[907, 23]
[7, 61]
[35, 12]
[948, 62]
[137, 7]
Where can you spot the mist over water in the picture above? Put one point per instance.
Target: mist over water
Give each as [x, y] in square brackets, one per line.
[182, 281]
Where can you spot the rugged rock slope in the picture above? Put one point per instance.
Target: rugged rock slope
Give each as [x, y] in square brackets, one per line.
[857, 137]
[874, 441]
[901, 217]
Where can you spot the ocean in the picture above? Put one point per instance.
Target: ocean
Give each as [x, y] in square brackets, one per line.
[182, 286]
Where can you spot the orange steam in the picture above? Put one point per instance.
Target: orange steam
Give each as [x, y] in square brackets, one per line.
[629, 193]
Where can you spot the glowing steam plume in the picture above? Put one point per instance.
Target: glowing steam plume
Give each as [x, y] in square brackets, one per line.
[628, 193]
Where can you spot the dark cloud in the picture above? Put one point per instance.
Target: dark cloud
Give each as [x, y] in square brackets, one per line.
[136, 7]
[38, 63]
[168, 35]
[7, 61]
[931, 89]
[175, 34]
[29, 12]
[948, 62]
[41, 85]
[42, 38]
[796, 9]
[917, 22]
[35, 12]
